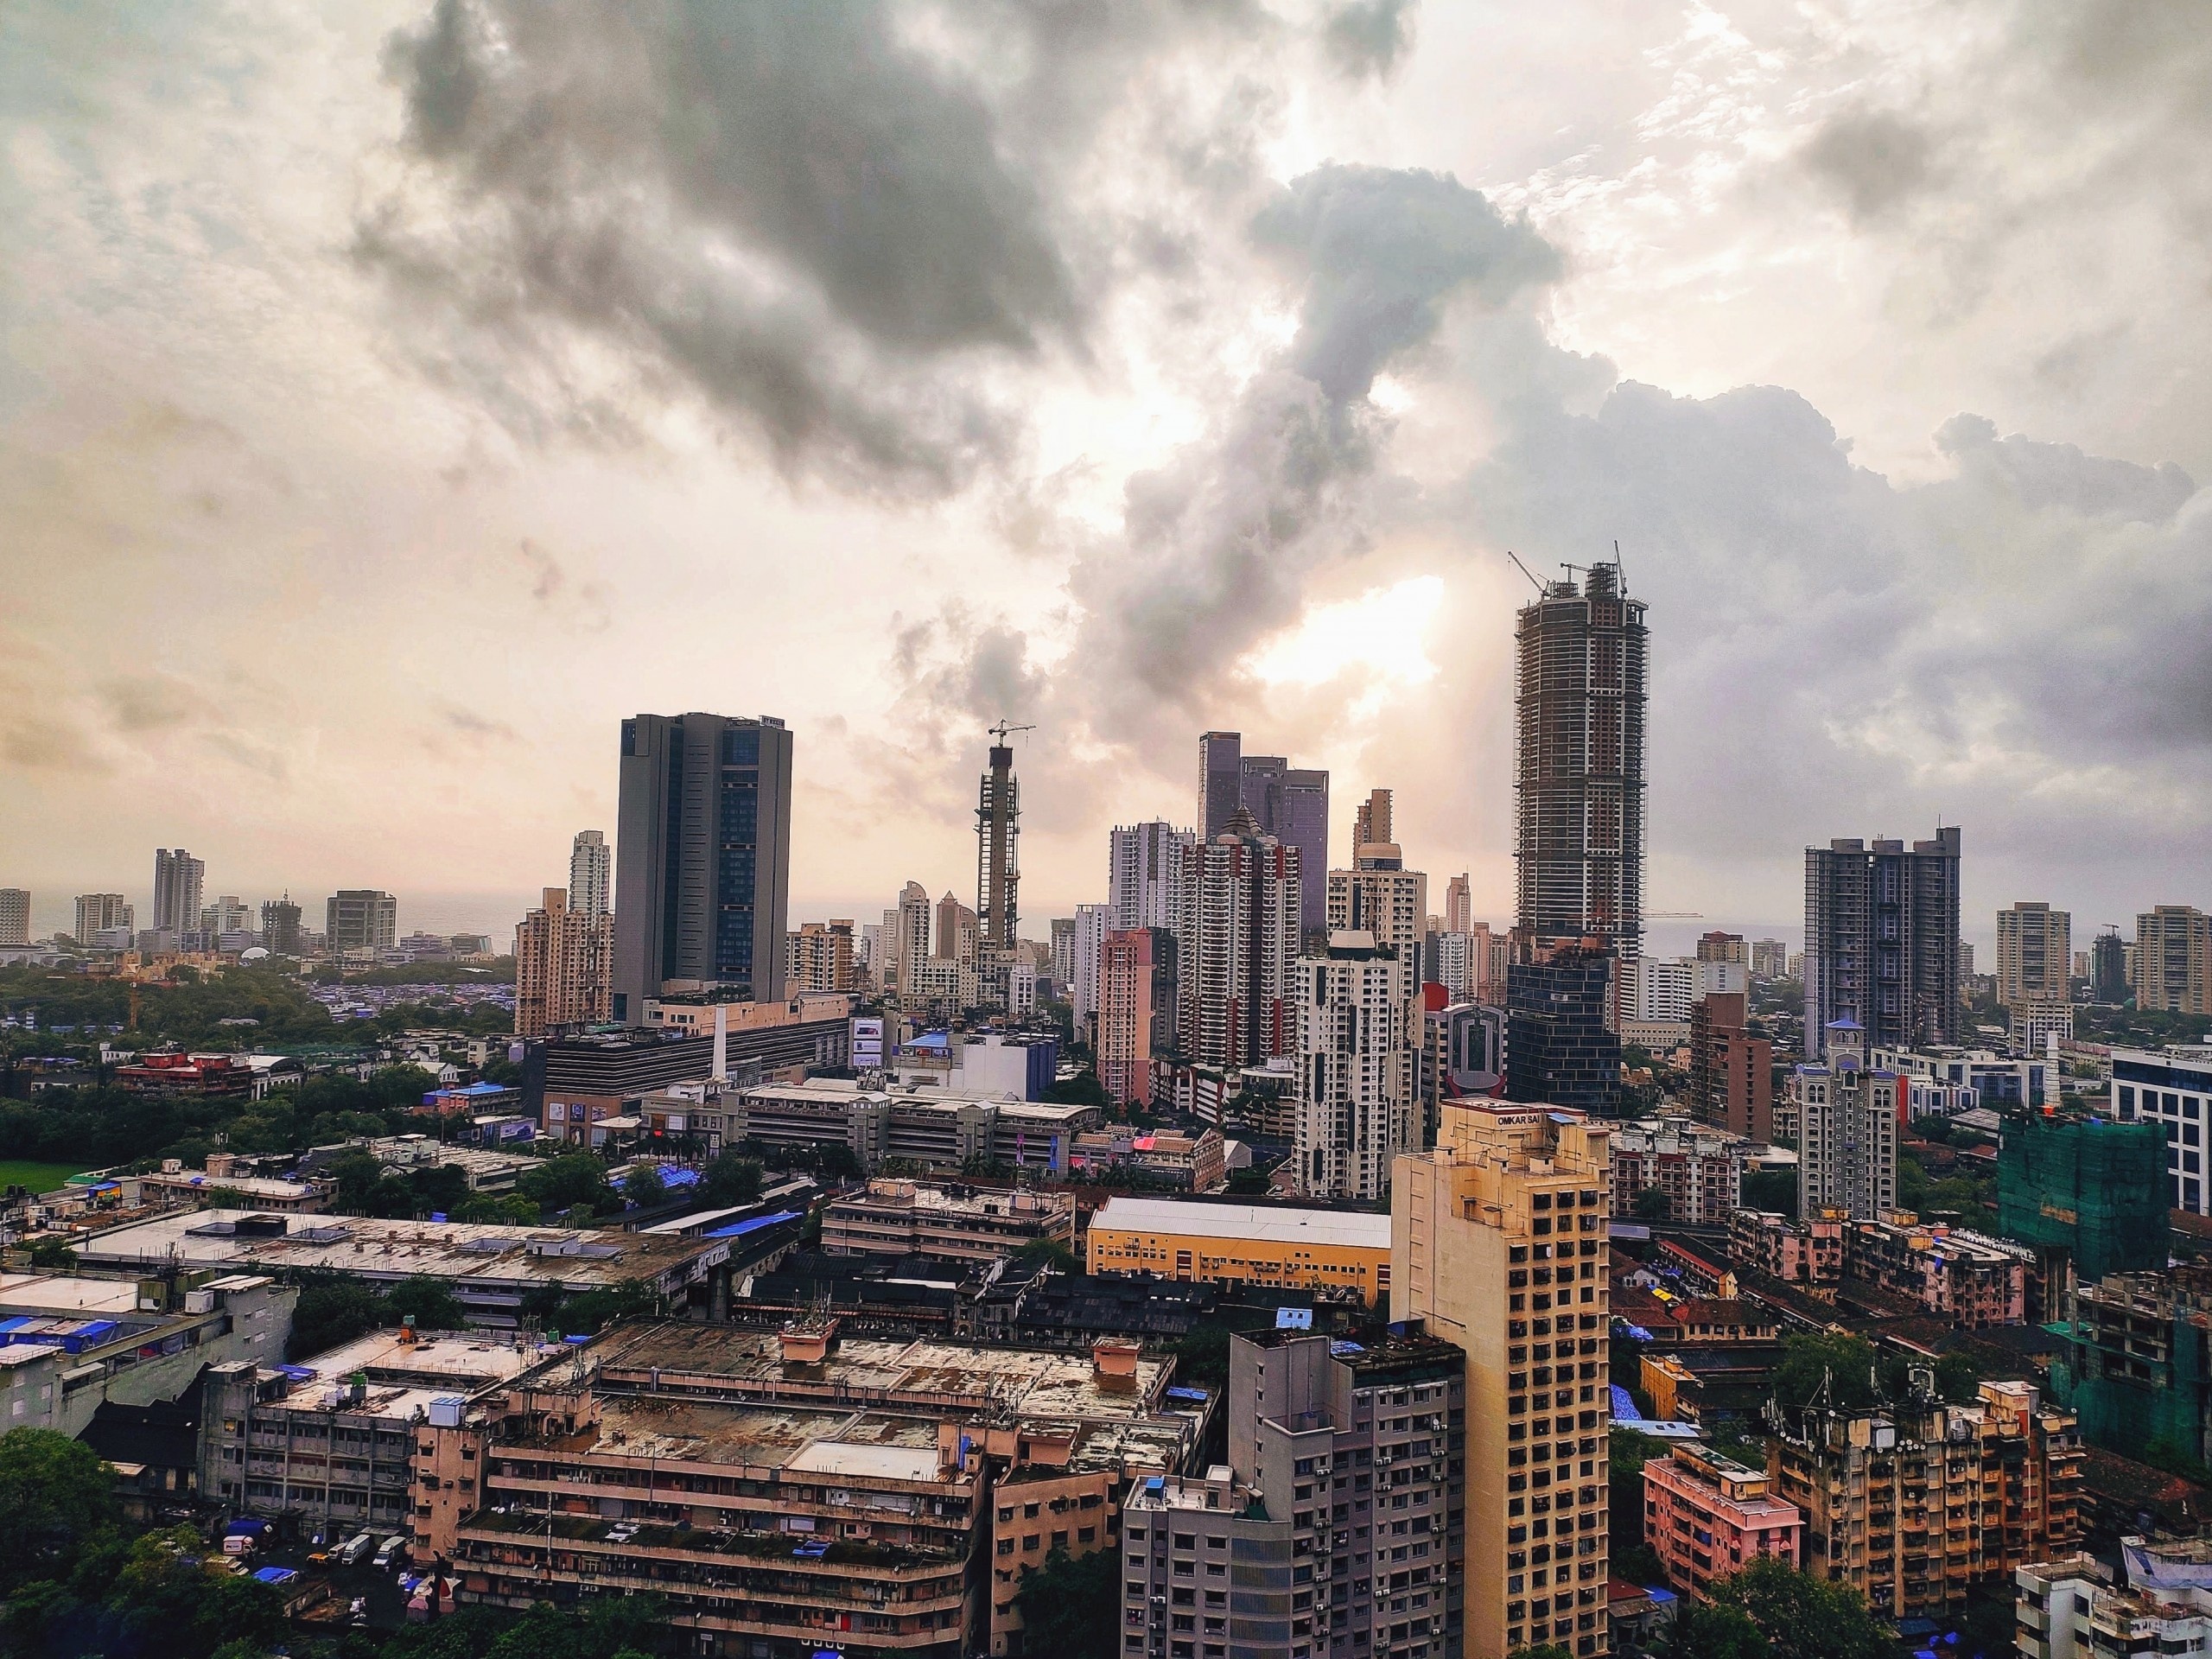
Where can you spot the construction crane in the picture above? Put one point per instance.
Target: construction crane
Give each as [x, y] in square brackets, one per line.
[1673, 915]
[1003, 731]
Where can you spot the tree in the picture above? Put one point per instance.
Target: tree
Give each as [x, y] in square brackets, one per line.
[55, 1494]
[1071, 1606]
[333, 1310]
[1249, 1182]
[1549, 1650]
[1052, 1252]
[732, 1178]
[1704, 1630]
[1082, 1089]
[644, 1188]
[53, 1254]
[1771, 1190]
[572, 1180]
[1653, 1205]
[1845, 1364]
[1803, 1616]
[430, 1301]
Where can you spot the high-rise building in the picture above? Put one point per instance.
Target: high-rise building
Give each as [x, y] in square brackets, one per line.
[1732, 1072]
[1579, 704]
[1370, 823]
[177, 878]
[1288, 803]
[1063, 948]
[1559, 1045]
[1847, 1113]
[1242, 904]
[2173, 960]
[1089, 945]
[15, 916]
[2108, 968]
[1144, 874]
[1459, 905]
[2033, 944]
[1770, 959]
[1882, 941]
[1664, 988]
[360, 919]
[1460, 965]
[564, 967]
[906, 937]
[1724, 947]
[959, 938]
[1699, 1171]
[1390, 903]
[228, 914]
[1709, 1516]
[591, 874]
[1498, 1244]
[1353, 1068]
[820, 957]
[279, 926]
[99, 911]
[1136, 1010]
[998, 862]
[702, 857]
[1462, 1055]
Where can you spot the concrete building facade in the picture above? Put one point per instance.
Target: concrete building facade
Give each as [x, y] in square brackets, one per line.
[2035, 949]
[1882, 941]
[1355, 1067]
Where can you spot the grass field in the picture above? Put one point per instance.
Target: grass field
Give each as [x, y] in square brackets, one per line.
[39, 1178]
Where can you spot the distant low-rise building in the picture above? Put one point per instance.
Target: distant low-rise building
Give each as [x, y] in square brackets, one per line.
[901, 1217]
[1799, 1250]
[1194, 1163]
[1262, 1245]
[1707, 1517]
[1699, 1171]
[920, 1126]
[1969, 1279]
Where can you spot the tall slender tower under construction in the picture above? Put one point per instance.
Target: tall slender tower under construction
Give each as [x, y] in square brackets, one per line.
[998, 854]
[1579, 699]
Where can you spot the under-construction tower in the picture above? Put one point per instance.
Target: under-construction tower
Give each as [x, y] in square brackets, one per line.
[1578, 700]
[998, 854]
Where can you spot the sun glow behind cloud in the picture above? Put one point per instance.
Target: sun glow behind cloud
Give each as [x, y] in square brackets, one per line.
[1374, 643]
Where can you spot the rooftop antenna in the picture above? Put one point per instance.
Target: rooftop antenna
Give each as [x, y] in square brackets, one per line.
[1525, 571]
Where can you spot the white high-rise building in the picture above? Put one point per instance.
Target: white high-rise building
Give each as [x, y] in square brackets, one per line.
[100, 912]
[1354, 1067]
[1847, 1114]
[15, 916]
[906, 937]
[177, 877]
[591, 876]
[1144, 874]
[1092, 924]
[1666, 987]
[1237, 944]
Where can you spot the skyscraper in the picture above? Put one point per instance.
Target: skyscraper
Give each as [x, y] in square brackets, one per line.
[1560, 1046]
[819, 956]
[1882, 941]
[1370, 823]
[1089, 945]
[177, 878]
[702, 857]
[280, 926]
[360, 919]
[15, 916]
[1136, 1010]
[1847, 1115]
[2107, 968]
[1144, 873]
[1459, 905]
[1498, 1244]
[97, 912]
[959, 938]
[906, 937]
[563, 966]
[1354, 1066]
[2035, 947]
[591, 874]
[2173, 960]
[1288, 803]
[998, 862]
[1578, 705]
[1242, 901]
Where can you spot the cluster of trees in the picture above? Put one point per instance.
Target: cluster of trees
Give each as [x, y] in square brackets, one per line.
[334, 1309]
[1855, 1375]
[1769, 1610]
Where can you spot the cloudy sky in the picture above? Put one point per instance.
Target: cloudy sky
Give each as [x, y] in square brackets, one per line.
[394, 396]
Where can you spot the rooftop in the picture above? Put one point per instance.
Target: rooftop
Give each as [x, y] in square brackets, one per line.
[450, 1360]
[1272, 1224]
[41, 1293]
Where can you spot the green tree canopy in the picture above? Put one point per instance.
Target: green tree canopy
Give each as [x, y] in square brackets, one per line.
[571, 1180]
[732, 1178]
[430, 1301]
[1705, 1630]
[56, 1495]
[1071, 1606]
[1803, 1617]
[644, 1186]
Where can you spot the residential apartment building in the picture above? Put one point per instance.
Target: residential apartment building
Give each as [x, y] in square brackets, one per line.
[564, 967]
[820, 957]
[1699, 1171]
[1580, 683]
[1088, 951]
[591, 874]
[1499, 1246]
[1770, 959]
[927, 1126]
[15, 916]
[1967, 1279]
[1459, 904]
[1847, 1115]
[1195, 1163]
[1242, 901]
[360, 919]
[1707, 1517]
[702, 858]
[1732, 1072]
[1666, 988]
[1912, 1503]
[2173, 960]
[1882, 941]
[177, 879]
[280, 927]
[2070, 1609]
[1266, 1246]
[1804, 1250]
[1144, 874]
[2109, 979]
[1354, 1066]
[960, 1223]
[1136, 1010]
[2035, 947]
[1287, 804]
[97, 912]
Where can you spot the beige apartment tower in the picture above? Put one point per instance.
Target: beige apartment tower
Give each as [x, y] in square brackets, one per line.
[564, 967]
[2034, 950]
[2173, 960]
[1497, 1242]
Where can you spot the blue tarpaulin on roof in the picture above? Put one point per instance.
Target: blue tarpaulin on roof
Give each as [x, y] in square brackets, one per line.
[738, 1228]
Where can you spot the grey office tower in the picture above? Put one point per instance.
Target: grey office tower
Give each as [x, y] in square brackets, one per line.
[1882, 941]
[702, 858]
[1288, 803]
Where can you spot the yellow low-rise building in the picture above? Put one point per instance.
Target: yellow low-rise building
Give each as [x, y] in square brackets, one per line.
[1278, 1246]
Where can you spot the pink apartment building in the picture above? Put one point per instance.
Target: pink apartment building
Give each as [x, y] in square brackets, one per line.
[1708, 1517]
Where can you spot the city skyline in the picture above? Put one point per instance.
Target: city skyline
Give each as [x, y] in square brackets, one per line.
[270, 429]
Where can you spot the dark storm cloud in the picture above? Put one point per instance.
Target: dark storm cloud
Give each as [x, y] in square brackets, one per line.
[1873, 161]
[795, 208]
[1367, 37]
